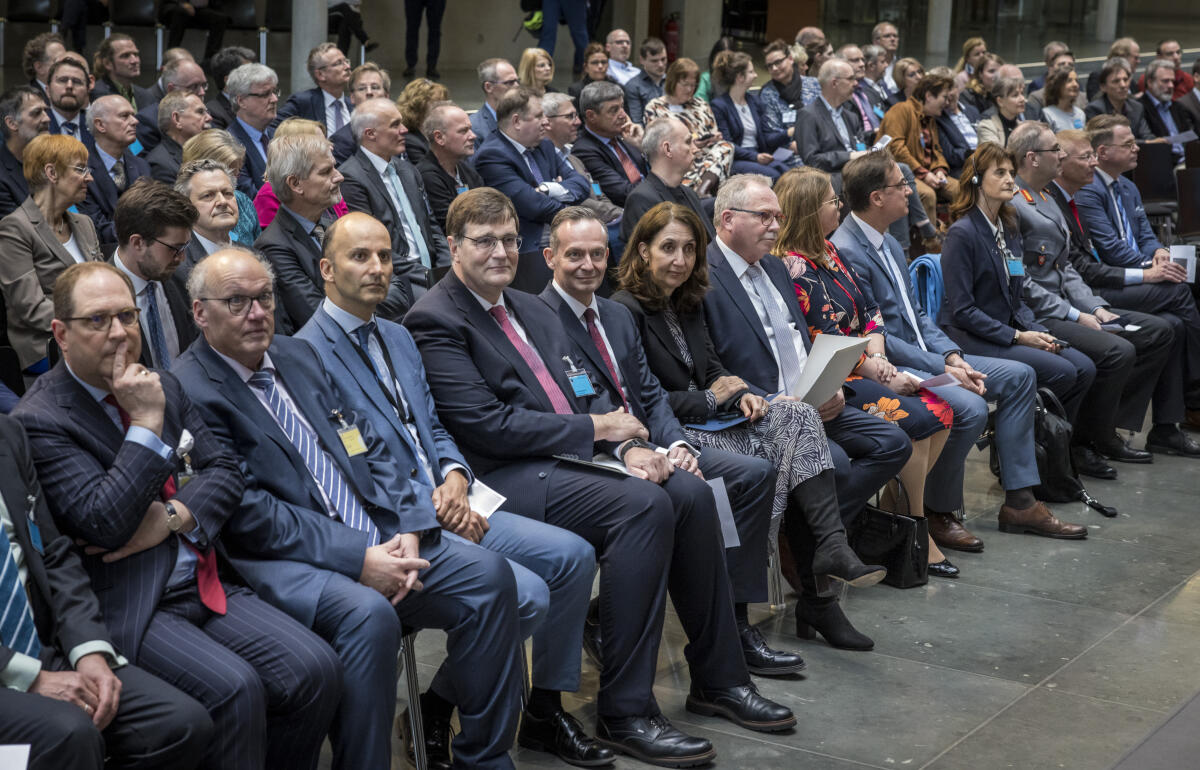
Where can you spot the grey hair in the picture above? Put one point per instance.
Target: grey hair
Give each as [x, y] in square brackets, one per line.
[174, 101]
[366, 115]
[1025, 137]
[183, 182]
[487, 70]
[871, 51]
[243, 79]
[1007, 86]
[171, 71]
[829, 70]
[197, 282]
[1158, 64]
[553, 101]
[100, 109]
[296, 156]
[734, 194]
[596, 94]
[656, 133]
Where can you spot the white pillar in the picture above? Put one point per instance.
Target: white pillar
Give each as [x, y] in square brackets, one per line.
[309, 27]
[1106, 20]
[937, 36]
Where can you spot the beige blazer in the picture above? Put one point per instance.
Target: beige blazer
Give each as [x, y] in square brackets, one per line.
[31, 258]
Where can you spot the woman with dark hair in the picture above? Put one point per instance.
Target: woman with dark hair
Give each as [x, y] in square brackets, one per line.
[742, 120]
[979, 85]
[834, 302]
[714, 155]
[663, 277]
[1061, 112]
[704, 89]
[595, 70]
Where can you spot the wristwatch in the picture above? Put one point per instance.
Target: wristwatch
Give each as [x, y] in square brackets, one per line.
[1016, 337]
[631, 444]
[174, 520]
[878, 355]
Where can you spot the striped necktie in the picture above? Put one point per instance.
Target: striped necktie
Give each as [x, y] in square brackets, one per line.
[17, 629]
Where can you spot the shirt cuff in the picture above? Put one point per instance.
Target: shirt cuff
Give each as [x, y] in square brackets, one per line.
[693, 451]
[139, 435]
[1133, 276]
[1072, 314]
[89, 648]
[20, 672]
[450, 465]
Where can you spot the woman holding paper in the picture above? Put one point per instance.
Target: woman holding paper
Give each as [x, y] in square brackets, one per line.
[663, 276]
[833, 302]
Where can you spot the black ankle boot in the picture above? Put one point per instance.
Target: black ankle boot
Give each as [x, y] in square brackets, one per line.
[815, 501]
[823, 615]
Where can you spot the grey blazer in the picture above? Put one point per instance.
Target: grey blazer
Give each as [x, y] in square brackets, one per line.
[33, 259]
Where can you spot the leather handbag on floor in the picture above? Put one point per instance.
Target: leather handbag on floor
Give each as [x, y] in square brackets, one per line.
[895, 541]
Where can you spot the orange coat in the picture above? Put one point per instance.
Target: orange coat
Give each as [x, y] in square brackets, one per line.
[903, 122]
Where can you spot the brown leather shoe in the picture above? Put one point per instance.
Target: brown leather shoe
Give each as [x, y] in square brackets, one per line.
[1038, 520]
[1192, 421]
[948, 532]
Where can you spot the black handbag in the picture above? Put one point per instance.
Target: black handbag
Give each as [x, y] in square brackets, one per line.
[895, 541]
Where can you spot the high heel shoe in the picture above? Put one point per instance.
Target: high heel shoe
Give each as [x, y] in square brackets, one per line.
[838, 560]
[823, 615]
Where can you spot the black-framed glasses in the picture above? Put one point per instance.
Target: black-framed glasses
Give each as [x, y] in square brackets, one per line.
[171, 247]
[99, 322]
[239, 304]
[903, 183]
[488, 242]
[777, 63]
[766, 217]
[264, 94]
[1055, 149]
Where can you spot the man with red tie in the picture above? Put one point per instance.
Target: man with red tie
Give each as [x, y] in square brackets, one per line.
[608, 143]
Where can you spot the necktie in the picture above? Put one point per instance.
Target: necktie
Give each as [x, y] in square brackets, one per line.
[408, 217]
[118, 174]
[387, 378]
[363, 333]
[1126, 227]
[18, 631]
[789, 362]
[557, 399]
[902, 290]
[533, 167]
[589, 317]
[69, 128]
[318, 234]
[208, 583]
[264, 140]
[631, 170]
[322, 467]
[339, 118]
[864, 110]
[154, 325]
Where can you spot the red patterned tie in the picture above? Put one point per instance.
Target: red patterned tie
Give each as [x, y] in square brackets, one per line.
[1075, 211]
[208, 583]
[530, 356]
[589, 316]
[631, 169]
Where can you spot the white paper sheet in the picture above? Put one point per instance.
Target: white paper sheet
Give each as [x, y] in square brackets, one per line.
[483, 499]
[830, 361]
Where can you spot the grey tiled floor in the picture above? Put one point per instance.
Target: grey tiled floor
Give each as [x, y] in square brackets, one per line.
[1044, 654]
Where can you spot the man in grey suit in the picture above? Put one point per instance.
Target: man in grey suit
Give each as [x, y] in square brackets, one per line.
[496, 77]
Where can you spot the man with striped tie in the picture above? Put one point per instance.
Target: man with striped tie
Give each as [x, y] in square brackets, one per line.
[329, 527]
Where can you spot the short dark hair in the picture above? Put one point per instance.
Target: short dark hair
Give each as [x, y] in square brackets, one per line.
[482, 205]
[1100, 128]
[778, 45]
[66, 61]
[227, 60]
[571, 214]
[148, 208]
[651, 46]
[63, 295]
[35, 51]
[633, 273]
[514, 100]
[863, 176]
[105, 52]
[1111, 66]
[12, 102]
[931, 85]
[1056, 83]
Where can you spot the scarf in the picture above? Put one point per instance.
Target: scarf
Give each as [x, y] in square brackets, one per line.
[792, 91]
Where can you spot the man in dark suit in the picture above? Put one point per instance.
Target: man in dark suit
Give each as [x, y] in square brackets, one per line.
[153, 224]
[1164, 117]
[670, 151]
[500, 377]
[606, 339]
[118, 64]
[104, 434]
[496, 78]
[327, 102]
[1114, 99]
[367, 81]
[389, 188]
[114, 168]
[183, 75]
[179, 15]
[68, 97]
[253, 91]
[328, 526]
[1189, 102]
[66, 692]
[383, 381]
[828, 132]
[209, 186]
[647, 84]
[607, 143]
[181, 115]
[23, 115]
[225, 61]
[446, 171]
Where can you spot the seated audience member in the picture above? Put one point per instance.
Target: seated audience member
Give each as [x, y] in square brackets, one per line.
[1164, 117]
[834, 303]
[595, 70]
[662, 279]
[180, 16]
[209, 187]
[67, 694]
[1131, 365]
[253, 91]
[915, 142]
[41, 238]
[714, 155]
[327, 101]
[266, 203]
[1051, 53]
[1122, 48]
[23, 116]
[1060, 110]
[388, 187]
[669, 149]
[563, 131]
[860, 99]
[377, 368]
[1014, 72]
[607, 146]
[414, 103]
[654, 532]
[977, 92]
[225, 61]
[496, 78]
[818, 52]
[154, 227]
[874, 81]
[183, 75]
[447, 171]
[116, 64]
[1008, 96]
[109, 469]
[619, 47]
[809, 35]
[973, 51]
[332, 532]
[981, 251]
[181, 115]
[68, 99]
[740, 118]
[1064, 61]
[536, 71]
[1115, 99]
[867, 451]
[829, 132]
[787, 92]
[647, 84]
[704, 90]
[37, 56]
[907, 72]
[114, 168]
[1182, 82]
[219, 145]
[956, 127]
[367, 81]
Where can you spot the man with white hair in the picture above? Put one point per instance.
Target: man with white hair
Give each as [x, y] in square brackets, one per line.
[829, 131]
[181, 115]
[253, 92]
[181, 74]
[114, 168]
[563, 131]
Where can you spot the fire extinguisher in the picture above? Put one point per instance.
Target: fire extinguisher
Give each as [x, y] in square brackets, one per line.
[671, 37]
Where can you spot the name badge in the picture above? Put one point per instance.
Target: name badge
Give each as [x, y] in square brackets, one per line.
[878, 111]
[460, 189]
[788, 116]
[352, 440]
[596, 189]
[581, 383]
[1016, 268]
[35, 534]
[859, 146]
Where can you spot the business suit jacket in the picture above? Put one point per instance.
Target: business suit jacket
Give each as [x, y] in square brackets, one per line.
[98, 487]
[343, 143]
[221, 111]
[483, 123]
[441, 189]
[13, 187]
[281, 539]
[1100, 216]
[982, 300]
[604, 167]
[309, 103]
[1097, 274]
[164, 160]
[101, 200]
[180, 308]
[1190, 104]
[147, 130]
[600, 204]
[955, 148]
[1183, 121]
[84, 135]
[818, 140]
[731, 127]
[877, 280]
[650, 192]
[1133, 110]
[33, 259]
[501, 167]
[255, 165]
[105, 86]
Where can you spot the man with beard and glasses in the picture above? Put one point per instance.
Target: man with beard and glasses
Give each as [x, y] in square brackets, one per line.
[68, 91]
[22, 117]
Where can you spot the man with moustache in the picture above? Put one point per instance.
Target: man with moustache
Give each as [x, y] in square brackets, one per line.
[68, 92]
[446, 169]
[114, 168]
[209, 186]
[118, 63]
[23, 115]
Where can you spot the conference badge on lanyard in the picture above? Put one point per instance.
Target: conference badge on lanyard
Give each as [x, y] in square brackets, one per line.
[352, 440]
[581, 383]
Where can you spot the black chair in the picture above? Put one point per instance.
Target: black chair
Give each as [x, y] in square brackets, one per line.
[25, 12]
[1188, 182]
[1191, 155]
[278, 18]
[243, 16]
[1155, 180]
[415, 727]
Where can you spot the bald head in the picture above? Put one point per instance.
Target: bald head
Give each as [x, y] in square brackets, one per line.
[356, 264]
[378, 126]
[233, 303]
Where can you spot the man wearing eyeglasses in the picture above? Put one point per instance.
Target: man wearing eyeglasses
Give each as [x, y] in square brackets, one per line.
[67, 88]
[496, 77]
[128, 466]
[327, 102]
[253, 91]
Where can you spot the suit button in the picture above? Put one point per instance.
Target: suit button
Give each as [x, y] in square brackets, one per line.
[413, 473]
[542, 475]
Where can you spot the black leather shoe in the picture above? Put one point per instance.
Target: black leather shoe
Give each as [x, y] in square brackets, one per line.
[653, 740]
[1088, 463]
[943, 569]
[762, 660]
[591, 634]
[1117, 449]
[433, 74]
[563, 736]
[742, 705]
[1171, 440]
[437, 741]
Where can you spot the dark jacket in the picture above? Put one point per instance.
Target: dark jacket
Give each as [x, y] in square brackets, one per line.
[606, 170]
[730, 124]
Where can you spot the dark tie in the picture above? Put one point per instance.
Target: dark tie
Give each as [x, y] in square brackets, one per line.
[339, 118]
[557, 399]
[69, 128]
[589, 317]
[533, 167]
[264, 140]
[318, 234]
[18, 631]
[118, 174]
[631, 169]
[158, 339]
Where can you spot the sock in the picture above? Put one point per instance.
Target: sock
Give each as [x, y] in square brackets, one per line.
[1019, 498]
[543, 703]
[741, 614]
[435, 707]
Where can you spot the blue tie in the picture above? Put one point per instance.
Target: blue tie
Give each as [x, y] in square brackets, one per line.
[322, 467]
[1126, 227]
[364, 333]
[158, 340]
[533, 167]
[17, 629]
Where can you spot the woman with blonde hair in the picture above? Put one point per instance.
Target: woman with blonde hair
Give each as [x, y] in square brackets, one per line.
[979, 85]
[219, 145]
[266, 203]
[907, 73]
[714, 155]
[414, 103]
[973, 51]
[536, 70]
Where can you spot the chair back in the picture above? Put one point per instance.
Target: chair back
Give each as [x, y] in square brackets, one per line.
[1188, 181]
[1154, 175]
[926, 274]
[32, 11]
[1191, 154]
[133, 13]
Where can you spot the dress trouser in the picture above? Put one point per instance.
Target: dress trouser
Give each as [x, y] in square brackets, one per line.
[434, 10]
[750, 484]
[575, 13]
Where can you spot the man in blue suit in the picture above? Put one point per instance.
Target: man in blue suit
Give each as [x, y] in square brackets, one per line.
[253, 91]
[874, 187]
[496, 78]
[114, 168]
[328, 527]
[327, 102]
[68, 92]
[383, 381]
[129, 467]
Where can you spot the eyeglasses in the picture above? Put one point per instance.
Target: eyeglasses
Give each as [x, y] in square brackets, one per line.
[68, 81]
[766, 217]
[171, 247]
[1085, 157]
[488, 242]
[1130, 145]
[239, 304]
[1055, 149]
[99, 322]
[903, 184]
[342, 62]
[81, 170]
[834, 201]
[368, 88]
[265, 94]
[777, 63]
